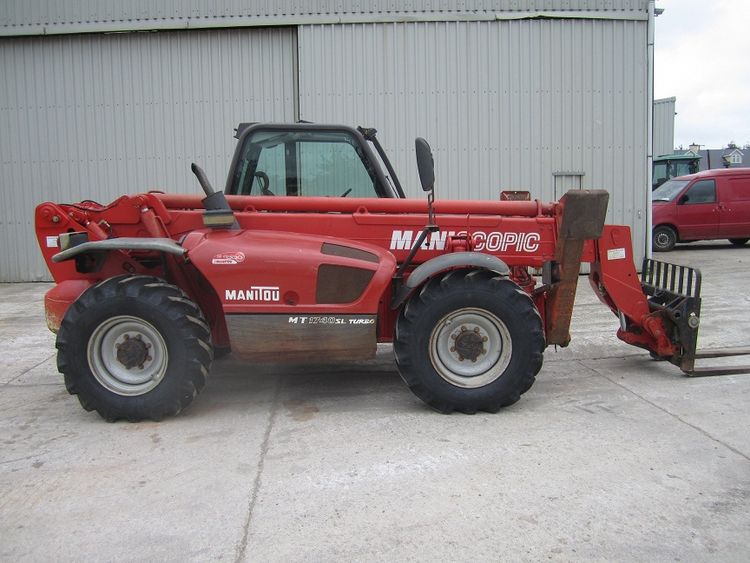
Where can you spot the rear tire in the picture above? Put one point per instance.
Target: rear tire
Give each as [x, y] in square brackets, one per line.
[469, 341]
[739, 241]
[664, 238]
[134, 348]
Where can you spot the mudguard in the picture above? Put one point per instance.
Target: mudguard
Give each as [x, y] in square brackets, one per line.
[123, 243]
[443, 263]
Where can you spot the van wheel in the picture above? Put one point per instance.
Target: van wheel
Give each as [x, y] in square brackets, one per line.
[469, 341]
[739, 241]
[664, 238]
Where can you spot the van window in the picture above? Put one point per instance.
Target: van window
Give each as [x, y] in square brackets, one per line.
[703, 191]
[669, 190]
[738, 189]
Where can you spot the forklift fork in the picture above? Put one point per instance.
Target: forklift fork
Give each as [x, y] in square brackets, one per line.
[675, 291]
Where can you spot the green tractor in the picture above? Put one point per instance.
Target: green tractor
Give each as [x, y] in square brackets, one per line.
[668, 166]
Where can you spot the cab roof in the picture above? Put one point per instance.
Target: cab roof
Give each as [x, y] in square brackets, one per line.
[676, 157]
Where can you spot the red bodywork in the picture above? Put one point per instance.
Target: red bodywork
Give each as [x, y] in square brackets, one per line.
[713, 204]
[289, 252]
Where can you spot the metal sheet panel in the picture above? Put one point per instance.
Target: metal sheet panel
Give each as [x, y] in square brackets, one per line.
[19, 17]
[100, 116]
[504, 104]
[664, 112]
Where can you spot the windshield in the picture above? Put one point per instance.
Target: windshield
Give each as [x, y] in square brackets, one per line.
[330, 163]
[668, 191]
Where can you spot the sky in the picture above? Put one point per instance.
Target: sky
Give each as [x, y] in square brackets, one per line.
[701, 57]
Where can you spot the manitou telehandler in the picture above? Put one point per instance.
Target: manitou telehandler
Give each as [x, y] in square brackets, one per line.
[314, 254]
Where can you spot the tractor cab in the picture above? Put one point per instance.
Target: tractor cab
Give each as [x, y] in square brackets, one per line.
[307, 159]
[670, 166]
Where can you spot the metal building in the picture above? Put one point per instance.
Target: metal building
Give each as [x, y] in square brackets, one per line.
[98, 99]
[664, 112]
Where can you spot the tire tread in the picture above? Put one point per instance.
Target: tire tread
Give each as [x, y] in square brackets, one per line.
[437, 290]
[171, 302]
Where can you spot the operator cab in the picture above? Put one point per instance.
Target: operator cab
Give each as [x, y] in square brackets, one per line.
[670, 166]
[307, 159]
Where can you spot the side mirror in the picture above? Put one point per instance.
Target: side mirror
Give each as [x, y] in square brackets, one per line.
[425, 164]
[683, 199]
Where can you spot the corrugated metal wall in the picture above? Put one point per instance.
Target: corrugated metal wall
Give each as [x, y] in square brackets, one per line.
[505, 105]
[536, 104]
[664, 112]
[98, 116]
[78, 16]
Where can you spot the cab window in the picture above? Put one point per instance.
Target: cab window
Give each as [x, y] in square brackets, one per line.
[660, 174]
[703, 191]
[303, 163]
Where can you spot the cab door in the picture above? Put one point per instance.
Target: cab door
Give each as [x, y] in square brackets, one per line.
[698, 211]
[734, 207]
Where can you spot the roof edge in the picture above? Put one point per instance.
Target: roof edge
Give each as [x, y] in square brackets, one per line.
[228, 22]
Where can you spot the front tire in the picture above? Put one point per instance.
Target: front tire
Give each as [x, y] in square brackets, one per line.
[134, 348]
[469, 341]
[664, 238]
[739, 241]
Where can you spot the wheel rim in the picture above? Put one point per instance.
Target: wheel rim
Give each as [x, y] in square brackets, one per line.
[662, 239]
[127, 355]
[470, 348]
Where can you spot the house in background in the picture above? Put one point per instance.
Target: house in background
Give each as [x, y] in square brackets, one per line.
[731, 156]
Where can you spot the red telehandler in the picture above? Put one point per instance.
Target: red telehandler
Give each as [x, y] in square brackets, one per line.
[312, 253]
